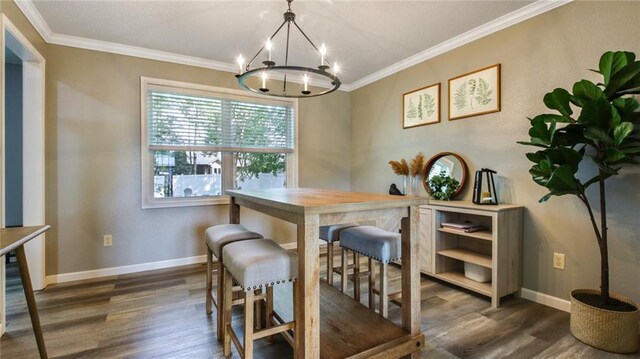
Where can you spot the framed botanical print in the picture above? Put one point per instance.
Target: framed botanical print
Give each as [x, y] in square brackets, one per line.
[475, 93]
[421, 107]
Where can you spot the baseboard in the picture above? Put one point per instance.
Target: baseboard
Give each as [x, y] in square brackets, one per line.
[135, 268]
[545, 299]
[105, 272]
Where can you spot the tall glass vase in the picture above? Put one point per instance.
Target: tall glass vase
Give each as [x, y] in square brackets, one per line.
[414, 186]
[411, 188]
[405, 187]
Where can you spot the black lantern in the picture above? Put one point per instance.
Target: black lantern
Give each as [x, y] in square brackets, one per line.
[485, 193]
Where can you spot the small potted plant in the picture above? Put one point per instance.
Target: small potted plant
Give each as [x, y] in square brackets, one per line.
[442, 186]
[603, 129]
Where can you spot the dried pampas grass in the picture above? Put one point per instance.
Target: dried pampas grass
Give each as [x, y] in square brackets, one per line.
[417, 163]
[400, 167]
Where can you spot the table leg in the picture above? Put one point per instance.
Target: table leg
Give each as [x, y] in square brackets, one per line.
[31, 300]
[411, 314]
[234, 211]
[307, 308]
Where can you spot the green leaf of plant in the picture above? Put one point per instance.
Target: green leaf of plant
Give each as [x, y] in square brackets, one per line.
[536, 157]
[563, 179]
[539, 131]
[548, 118]
[596, 113]
[598, 134]
[602, 166]
[564, 156]
[585, 91]
[626, 107]
[613, 155]
[621, 132]
[631, 150]
[615, 118]
[545, 198]
[570, 136]
[612, 62]
[626, 80]
[558, 100]
[533, 144]
[545, 166]
[538, 176]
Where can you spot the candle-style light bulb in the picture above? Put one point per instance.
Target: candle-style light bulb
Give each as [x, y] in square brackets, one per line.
[306, 82]
[268, 47]
[336, 68]
[240, 63]
[323, 51]
[264, 79]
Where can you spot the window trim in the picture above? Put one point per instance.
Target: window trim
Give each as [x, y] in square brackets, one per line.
[146, 160]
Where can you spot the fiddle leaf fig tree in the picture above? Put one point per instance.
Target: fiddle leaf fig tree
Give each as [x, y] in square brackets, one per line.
[599, 122]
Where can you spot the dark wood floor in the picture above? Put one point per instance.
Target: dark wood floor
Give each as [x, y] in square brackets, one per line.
[160, 314]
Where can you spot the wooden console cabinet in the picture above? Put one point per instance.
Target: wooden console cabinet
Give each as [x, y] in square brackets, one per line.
[497, 247]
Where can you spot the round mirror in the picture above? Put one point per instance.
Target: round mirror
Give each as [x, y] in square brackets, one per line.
[442, 170]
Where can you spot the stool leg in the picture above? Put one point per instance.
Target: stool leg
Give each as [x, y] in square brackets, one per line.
[330, 263]
[248, 325]
[372, 279]
[384, 295]
[226, 320]
[269, 314]
[258, 307]
[209, 297]
[345, 261]
[221, 294]
[296, 324]
[356, 277]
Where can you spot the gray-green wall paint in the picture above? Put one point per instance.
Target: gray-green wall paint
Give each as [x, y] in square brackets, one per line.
[552, 50]
[93, 163]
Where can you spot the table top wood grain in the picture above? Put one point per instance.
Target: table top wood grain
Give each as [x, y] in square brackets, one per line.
[12, 238]
[319, 201]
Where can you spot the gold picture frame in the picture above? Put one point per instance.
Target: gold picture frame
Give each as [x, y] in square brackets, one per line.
[475, 93]
[421, 107]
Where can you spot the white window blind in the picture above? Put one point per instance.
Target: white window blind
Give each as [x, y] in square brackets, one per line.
[184, 121]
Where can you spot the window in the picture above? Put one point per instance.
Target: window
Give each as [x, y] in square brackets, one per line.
[198, 141]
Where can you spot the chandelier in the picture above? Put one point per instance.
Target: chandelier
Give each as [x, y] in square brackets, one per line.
[259, 79]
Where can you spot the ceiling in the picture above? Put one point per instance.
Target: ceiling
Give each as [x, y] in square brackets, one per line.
[367, 38]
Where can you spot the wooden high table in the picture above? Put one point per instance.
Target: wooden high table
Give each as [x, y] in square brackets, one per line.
[311, 208]
[15, 239]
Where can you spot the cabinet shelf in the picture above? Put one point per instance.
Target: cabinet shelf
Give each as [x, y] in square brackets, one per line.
[467, 256]
[460, 280]
[484, 234]
[497, 248]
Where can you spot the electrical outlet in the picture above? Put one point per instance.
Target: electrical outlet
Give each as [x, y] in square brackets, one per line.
[108, 240]
[558, 260]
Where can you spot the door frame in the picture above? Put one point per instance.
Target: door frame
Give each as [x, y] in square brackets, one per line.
[33, 92]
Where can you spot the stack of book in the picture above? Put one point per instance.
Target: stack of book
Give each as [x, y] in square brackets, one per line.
[466, 227]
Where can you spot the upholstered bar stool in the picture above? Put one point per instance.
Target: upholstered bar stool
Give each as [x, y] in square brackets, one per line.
[377, 245]
[216, 238]
[257, 264]
[331, 234]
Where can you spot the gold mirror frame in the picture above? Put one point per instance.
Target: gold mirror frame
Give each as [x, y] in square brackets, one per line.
[433, 160]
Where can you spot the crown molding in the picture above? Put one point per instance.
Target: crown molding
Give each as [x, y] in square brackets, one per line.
[135, 51]
[515, 17]
[33, 15]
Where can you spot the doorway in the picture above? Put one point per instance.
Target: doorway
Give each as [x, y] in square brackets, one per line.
[22, 169]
